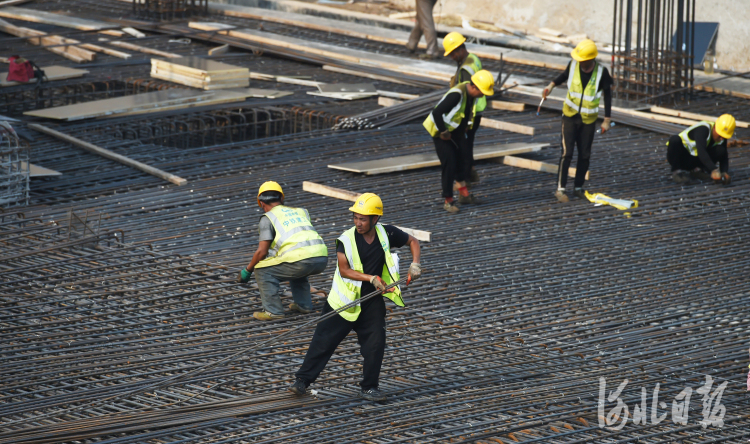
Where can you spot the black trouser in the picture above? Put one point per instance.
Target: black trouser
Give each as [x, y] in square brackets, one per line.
[680, 158]
[455, 160]
[575, 133]
[470, 138]
[370, 328]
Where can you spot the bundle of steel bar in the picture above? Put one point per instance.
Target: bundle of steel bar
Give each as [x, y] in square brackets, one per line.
[393, 115]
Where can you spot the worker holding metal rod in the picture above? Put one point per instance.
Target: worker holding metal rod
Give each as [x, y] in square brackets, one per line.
[468, 64]
[289, 249]
[365, 265]
[587, 81]
[448, 124]
[694, 152]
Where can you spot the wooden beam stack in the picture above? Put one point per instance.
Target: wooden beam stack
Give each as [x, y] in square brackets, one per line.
[200, 73]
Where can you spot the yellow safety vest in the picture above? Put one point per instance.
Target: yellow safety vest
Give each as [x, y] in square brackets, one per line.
[580, 99]
[345, 291]
[456, 115]
[295, 240]
[690, 143]
[472, 64]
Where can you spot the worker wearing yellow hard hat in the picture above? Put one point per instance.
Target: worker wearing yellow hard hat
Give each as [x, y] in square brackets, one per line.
[365, 265]
[694, 153]
[587, 82]
[289, 250]
[448, 124]
[425, 25]
[467, 65]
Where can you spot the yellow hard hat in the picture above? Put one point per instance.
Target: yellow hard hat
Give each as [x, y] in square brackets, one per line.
[725, 126]
[483, 80]
[452, 41]
[368, 204]
[586, 50]
[269, 186]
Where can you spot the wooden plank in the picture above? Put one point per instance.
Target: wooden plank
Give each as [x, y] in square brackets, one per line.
[40, 171]
[338, 193]
[426, 160]
[50, 18]
[109, 154]
[693, 116]
[387, 101]
[112, 52]
[134, 32]
[53, 72]
[661, 118]
[507, 126]
[201, 84]
[39, 38]
[537, 165]
[352, 72]
[219, 50]
[143, 49]
[118, 105]
[112, 32]
[506, 106]
[552, 32]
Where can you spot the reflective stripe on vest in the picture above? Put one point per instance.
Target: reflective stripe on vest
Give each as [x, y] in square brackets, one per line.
[690, 143]
[345, 291]
[472, 65]
[583, 100]
[296, 238]
[453, 119]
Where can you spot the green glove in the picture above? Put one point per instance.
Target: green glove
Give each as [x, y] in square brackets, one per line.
[244, 276]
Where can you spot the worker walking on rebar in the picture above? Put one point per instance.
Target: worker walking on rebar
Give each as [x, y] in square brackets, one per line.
[448, 124]
[365, 264]
[425, 24]
[587, 81]
[694, 152]
[289, 249]
[468, 65]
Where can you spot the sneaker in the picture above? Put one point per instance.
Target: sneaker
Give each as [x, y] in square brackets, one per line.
[266, 316]
[294, 307]
[470, 199]
[473, 176]
[450, 207]
[561, 197]
[372, 394]
[299, 387]
[681, 177]
[700, 174]
[580, 193]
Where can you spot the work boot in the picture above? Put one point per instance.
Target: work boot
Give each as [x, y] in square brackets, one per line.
[681, 177]
[580, 193]
[561, 197]
[700, 174]
[470, 199]
[372, 394]
[473, 176]
[294, 307]
[450, 207]
[266, 316]
[299, 387]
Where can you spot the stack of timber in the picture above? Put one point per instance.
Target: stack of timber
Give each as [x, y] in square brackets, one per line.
[200, 73]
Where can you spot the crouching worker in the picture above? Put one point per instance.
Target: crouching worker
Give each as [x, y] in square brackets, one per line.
[289, 249]
[365, 264]
[694, 152]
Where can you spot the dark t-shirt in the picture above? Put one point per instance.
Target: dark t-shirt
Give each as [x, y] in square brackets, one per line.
[373, 256]
[710, 152]
[605, 85]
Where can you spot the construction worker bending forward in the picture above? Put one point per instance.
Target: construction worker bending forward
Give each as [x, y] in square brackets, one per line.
[365, 264]
[587, 80]
[468, 65]
[289, 249]
[448, 124]
[694, 152]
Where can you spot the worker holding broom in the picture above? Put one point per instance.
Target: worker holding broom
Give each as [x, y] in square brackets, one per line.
[448, 124]
[365, 265]
[694, 152]
[289, 249]
[468, 65]
[587, 81]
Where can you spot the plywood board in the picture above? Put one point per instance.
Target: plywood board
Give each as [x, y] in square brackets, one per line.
[426, 160]
[50, 18]
[216, 98]
[53, 72]
[262, 93]
[689, 115]
[117, 105]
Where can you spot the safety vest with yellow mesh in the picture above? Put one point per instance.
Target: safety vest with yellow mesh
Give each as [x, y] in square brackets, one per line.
[295, 240]
[454, 117]
[583, 100]
[690, 143]
[345, 291]
[472, 64]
